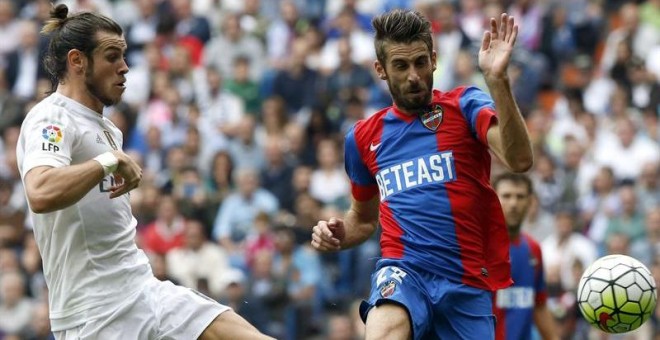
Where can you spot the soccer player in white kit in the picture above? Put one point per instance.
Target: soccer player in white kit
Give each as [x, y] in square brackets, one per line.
[77, 180]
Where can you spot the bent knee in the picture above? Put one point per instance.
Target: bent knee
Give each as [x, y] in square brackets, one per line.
[388, 321]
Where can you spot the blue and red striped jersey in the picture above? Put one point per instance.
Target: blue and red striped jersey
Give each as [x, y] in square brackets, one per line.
[514, 306]
[432, 172]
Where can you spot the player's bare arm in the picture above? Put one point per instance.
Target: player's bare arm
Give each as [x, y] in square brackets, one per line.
[49, 189]
[507, 138]
[357, 226]
[544, 322]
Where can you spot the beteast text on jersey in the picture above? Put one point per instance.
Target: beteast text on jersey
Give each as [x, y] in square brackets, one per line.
[434, 168]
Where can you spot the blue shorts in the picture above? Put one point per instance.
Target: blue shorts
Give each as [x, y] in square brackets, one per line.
[438, 308]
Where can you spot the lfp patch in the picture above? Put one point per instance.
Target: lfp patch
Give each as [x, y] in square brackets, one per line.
[52, 133]
[388, 289]
[433, 118]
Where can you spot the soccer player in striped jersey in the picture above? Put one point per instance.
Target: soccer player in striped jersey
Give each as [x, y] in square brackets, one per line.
[519, 306]
[421, 169]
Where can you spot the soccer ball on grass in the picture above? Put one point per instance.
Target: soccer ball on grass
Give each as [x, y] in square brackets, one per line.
[617, 294]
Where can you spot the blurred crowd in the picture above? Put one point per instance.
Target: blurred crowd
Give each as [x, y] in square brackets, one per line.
[236, 111]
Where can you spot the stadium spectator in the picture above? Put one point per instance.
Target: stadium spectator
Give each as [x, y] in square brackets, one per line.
[244, 148]
[190, 24]
[274, 120]
[260, 240]
[277, 174]
[299, 267]
[24, 66]
[12, 108]
[191, 195]
[648, 185]
[9, 28]
[630, 220]
[599, 205]
[243, 86]
[235, 218]
[282, 33]
[297, 84]
[236, 294]
[565, 246]
[199, 263]
[233, 42]
[328, 183]
[167, 231]
[15, 305]
[39, 328]
[348, 79]
[628, 153]
[538, 222]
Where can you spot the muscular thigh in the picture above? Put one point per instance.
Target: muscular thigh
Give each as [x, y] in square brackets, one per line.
[231, 326]
[388, 321]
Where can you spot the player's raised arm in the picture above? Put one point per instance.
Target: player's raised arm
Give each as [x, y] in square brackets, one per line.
[358, 225]
[508, 137]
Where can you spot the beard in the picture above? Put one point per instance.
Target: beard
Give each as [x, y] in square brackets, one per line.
[95, 90]
[415, 104]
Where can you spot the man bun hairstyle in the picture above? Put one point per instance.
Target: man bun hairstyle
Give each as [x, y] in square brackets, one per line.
[69, 32]
[58, 16]
[400, 26]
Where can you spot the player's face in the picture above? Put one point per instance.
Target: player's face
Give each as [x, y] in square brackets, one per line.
[105, 77]
[409, 74]
[515, 201]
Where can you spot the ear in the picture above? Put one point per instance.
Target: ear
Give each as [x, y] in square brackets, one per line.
[434, 58]
[76, 61]
[380, 70]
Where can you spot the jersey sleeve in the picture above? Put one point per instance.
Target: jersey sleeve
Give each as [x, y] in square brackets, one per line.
[48, 141]
[363, 184]
[478, 109]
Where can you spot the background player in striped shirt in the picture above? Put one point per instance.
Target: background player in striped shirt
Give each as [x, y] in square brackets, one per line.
[421, 170]
[524, 303]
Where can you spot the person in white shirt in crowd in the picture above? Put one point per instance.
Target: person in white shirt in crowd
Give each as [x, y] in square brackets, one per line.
[199, 262]
[565, 246]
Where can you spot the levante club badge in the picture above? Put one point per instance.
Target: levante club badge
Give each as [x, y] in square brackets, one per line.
[388, 289]
[433, 118]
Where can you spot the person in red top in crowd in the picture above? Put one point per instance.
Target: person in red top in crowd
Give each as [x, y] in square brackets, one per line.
[167, 231]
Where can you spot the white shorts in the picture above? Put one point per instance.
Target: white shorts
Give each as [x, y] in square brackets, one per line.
[161, 310]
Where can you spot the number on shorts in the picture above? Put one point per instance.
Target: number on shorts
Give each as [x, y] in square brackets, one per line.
[394, 273]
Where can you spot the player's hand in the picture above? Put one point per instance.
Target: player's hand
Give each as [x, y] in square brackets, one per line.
[127, 176]
[328, 235]
[497, 46]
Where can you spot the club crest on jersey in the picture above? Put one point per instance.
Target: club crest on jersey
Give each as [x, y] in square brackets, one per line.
[433, 118]
[388, 289]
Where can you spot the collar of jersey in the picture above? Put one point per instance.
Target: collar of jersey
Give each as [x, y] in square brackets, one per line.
[78, 107]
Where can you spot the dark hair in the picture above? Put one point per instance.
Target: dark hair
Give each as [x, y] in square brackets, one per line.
[77, 31]
[400, 26]
[516, 179]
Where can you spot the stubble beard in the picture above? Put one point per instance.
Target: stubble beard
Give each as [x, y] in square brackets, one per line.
[95, 90]
[415, 106]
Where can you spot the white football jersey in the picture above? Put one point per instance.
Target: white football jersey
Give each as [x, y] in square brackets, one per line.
[90, 258]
